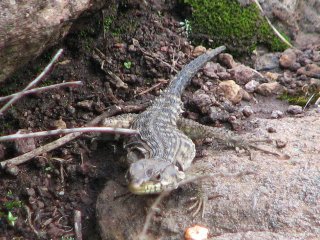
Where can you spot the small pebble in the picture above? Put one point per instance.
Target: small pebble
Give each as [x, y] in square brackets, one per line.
[71, 109]
[24, 145]
[281, 143]
[199, 50]
[247, 111]
[294, 109]
[12, 169]
[59, 124]
[132, 48]
[288, 58]
[267, 89]
[231, 90]
[271, 130]
[251, 86]
[196, 233]
[40, 204]
[31, 192]
[227, 60]
[85, 104]
[276, 114]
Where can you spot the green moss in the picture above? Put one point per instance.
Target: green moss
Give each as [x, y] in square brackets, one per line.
[107, 21]
[299, 99]
[227, 23]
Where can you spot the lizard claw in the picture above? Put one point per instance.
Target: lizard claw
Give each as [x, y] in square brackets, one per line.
[197, 205]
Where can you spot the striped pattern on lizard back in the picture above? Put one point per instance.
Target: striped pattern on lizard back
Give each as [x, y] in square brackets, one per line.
[161, 152]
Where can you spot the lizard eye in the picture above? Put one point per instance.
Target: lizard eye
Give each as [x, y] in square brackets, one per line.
[158, 176]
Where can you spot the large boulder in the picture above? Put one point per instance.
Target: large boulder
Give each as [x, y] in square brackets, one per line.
[29, 27]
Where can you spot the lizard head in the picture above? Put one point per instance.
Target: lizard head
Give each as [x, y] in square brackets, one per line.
[149, 176]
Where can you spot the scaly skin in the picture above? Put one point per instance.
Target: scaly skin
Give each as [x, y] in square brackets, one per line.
[161, 152]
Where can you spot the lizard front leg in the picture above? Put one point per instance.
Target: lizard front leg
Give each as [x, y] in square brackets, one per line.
[121, 121]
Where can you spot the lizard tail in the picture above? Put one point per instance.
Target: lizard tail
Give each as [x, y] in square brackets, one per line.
[179, 83]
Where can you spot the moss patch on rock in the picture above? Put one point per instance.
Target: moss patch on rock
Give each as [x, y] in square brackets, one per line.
[225, 22]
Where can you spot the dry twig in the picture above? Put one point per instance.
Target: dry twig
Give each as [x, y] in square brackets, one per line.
[101, 58]
[33, 83]
[61, 141]
[41, 89]
[66, 131]
[153, 55]
[77, 225]
[153, 87]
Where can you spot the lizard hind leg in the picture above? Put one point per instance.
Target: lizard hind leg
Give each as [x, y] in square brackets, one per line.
[197, 131]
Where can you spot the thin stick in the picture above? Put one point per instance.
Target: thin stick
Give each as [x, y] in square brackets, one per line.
[34, 82]
[159, 59]
[29, 220]
[41, 89]
[59, 142]
[77, 225]
[151, 88]
[101, 58]
[66, 131]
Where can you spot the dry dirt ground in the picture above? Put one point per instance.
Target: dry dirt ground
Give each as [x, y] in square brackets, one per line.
[53, 189]
[274, 198]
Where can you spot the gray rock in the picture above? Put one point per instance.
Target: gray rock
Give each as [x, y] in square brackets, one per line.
[267, 61]
[294, 109]
[242, 74]
[202, 101]
[231, 90]
[288, 59]
[24, 145]
[267, 89]
[251, 86]
[28, 28]
[276, 114]
[247, 111]
[211, 69]
[227, 60]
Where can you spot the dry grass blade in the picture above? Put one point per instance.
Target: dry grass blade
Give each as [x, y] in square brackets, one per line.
[273, 28]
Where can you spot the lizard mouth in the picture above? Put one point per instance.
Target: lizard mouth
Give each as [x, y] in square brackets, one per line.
[149, 187]
[145, 188]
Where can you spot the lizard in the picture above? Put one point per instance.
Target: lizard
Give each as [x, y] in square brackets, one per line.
[161, 152]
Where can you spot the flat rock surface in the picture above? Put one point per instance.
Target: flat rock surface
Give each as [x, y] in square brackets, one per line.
[274, 198]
